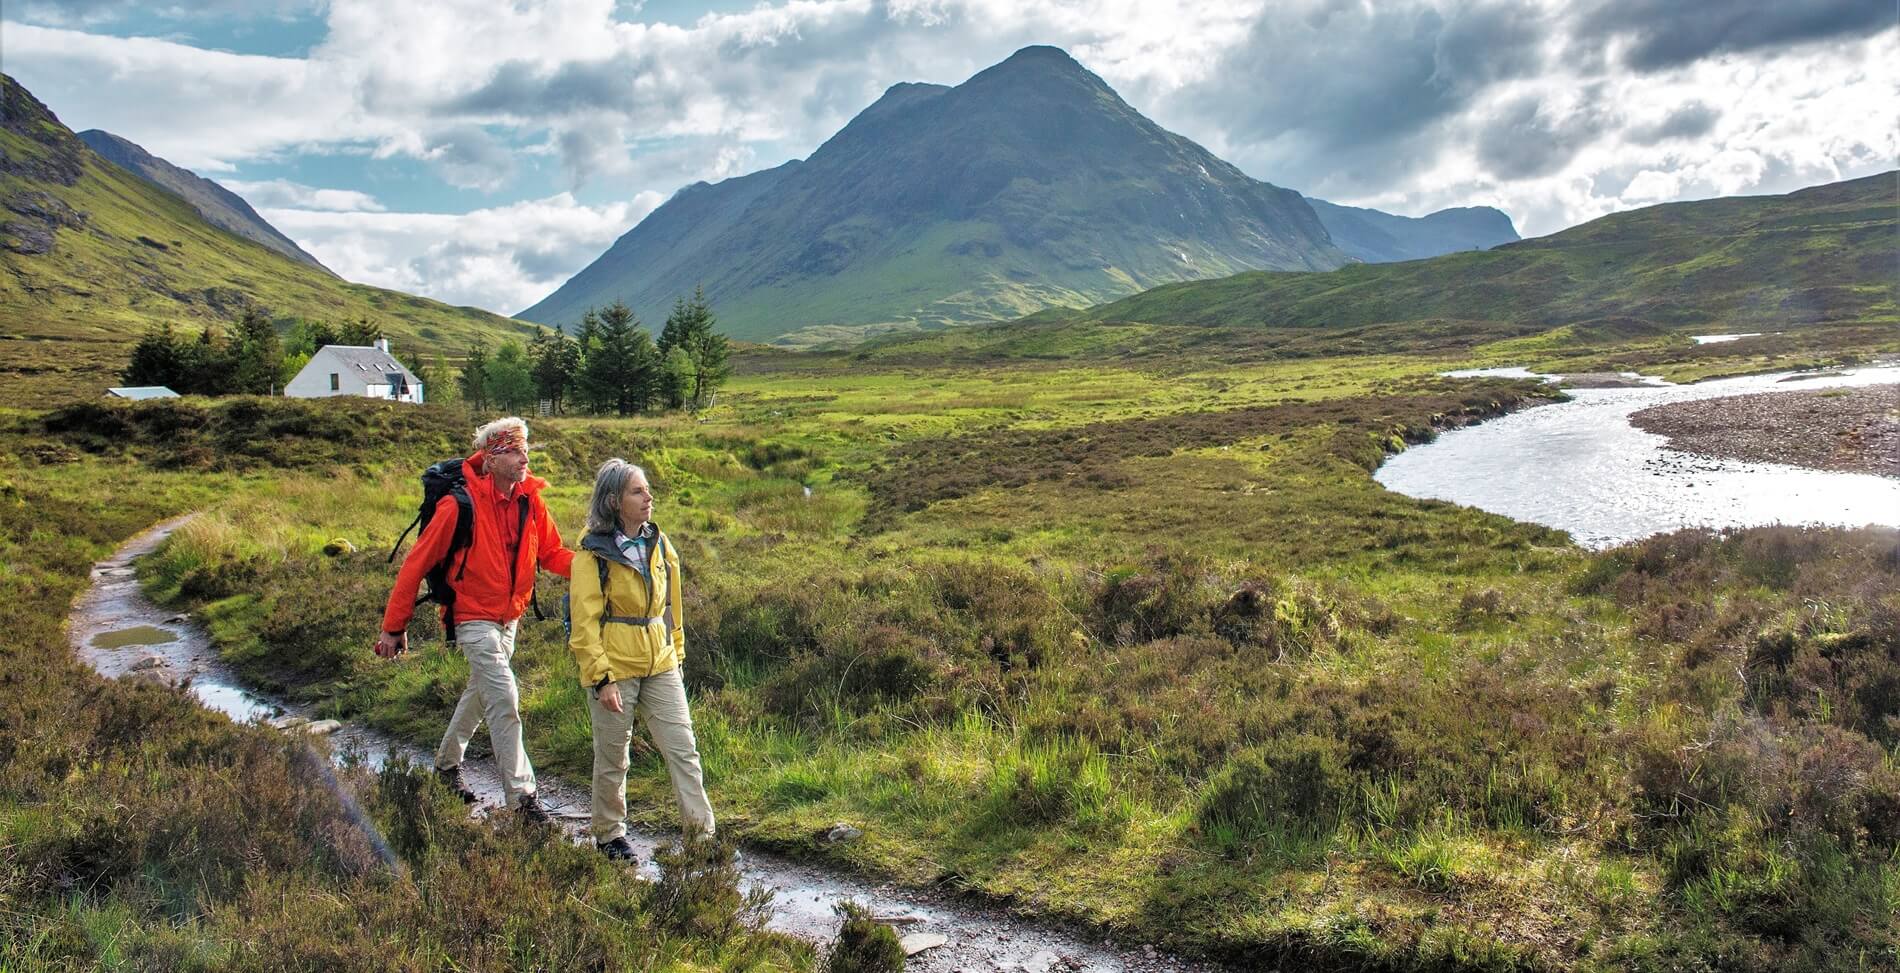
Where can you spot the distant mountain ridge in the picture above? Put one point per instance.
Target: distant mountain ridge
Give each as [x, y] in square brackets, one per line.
[219, 206]
[1821, 255]
[1031, 184]
[1376, 237]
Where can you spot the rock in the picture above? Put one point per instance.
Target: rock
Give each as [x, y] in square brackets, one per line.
[338, 547]
[289, 722]
[917, 942]
[148, 664]
[1044, 961]
[839, 833]
[322, 727]
[181, 616]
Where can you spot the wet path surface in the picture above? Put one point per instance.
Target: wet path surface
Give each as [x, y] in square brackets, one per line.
[121, 634]
[1582, 467]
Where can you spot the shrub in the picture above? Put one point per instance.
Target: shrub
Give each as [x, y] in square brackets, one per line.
[863, 945]
[1293, 787]
[698, 893]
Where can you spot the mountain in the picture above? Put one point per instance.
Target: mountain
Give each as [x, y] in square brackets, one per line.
[1376, 237]
[219, 206]
[1822, 255]
[1032, 184]
[92, 256]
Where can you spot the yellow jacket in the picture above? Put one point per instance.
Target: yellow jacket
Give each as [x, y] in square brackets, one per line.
[644, 635]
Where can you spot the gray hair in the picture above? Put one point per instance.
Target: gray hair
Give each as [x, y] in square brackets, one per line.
[509, 422]
[603, 509]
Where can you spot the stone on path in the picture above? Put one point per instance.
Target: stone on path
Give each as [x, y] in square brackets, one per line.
[917, 942]
[322, 727]
[841, 832]
[148, 663]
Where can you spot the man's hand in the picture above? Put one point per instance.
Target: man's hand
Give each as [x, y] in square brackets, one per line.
[610, 697]
[390, 645]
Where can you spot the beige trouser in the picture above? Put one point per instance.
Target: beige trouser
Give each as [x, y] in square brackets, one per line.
[491, 695]
[662, 698]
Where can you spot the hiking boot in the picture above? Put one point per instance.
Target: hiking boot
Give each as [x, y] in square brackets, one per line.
[532, 810]
[451, 778]
[617, 850]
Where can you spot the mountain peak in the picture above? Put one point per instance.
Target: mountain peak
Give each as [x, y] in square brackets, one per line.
[1040, 62]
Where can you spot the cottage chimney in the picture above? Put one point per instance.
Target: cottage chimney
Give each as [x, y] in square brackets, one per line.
[382, 345]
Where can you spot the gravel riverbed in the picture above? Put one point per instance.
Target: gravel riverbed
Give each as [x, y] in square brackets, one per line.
[1845, 430]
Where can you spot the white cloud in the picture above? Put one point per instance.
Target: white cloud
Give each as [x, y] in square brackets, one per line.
[1556, 112]
[502, 258]
[284, 194]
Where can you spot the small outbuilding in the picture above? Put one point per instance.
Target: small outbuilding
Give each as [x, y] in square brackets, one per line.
[368, 371]
[136, 392]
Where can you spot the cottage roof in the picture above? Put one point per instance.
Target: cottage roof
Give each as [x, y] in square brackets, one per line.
[142, 392]
[370, 362]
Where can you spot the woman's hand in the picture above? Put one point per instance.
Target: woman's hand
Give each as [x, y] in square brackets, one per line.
[610, 697]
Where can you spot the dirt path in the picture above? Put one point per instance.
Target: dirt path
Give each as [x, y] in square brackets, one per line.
[121, 634]
[1844, 430]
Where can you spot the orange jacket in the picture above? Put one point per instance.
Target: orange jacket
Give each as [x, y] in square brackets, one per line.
[482, 589]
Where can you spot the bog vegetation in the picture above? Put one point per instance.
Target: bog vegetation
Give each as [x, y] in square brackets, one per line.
[1142, 647]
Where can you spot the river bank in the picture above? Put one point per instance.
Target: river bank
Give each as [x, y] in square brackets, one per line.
[1837, 430]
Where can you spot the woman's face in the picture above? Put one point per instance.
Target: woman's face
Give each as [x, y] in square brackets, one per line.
[636, 501]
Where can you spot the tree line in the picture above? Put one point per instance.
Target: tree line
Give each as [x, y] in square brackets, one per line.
[254, 359]
[609, 366]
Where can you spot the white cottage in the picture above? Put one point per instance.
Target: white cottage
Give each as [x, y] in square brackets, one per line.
[370, 371]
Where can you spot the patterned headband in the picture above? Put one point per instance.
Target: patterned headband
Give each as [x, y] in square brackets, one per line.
[502, 440]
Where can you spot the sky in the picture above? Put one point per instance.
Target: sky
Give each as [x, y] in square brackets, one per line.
[483, 151]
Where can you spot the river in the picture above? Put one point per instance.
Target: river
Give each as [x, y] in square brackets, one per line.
[1581, 467]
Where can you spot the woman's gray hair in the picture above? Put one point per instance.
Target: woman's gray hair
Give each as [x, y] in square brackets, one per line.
[603, 509]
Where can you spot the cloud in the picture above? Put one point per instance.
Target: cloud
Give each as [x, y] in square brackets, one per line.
[501, 258]
[1656, 34]
[92, 12]
[1530, 138]
[1688, 121]
[284, 194]
[1555, 111]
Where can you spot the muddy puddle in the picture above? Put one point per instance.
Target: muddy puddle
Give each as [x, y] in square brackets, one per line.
[121, 634]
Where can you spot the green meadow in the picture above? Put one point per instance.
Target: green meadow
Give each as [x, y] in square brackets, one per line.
[1129, 640]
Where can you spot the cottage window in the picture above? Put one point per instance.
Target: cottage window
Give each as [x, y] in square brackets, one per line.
[334, 385]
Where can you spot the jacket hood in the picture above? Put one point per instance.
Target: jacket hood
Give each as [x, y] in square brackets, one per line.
[602, 543]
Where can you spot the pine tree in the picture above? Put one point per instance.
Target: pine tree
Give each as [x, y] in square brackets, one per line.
[257, 357]
[553, 361]
[362, 333]
[708, 349]
[158, 359]
[474, 380]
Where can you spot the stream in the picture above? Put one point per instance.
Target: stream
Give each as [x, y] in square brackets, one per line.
[1581, 467]
[120, 633]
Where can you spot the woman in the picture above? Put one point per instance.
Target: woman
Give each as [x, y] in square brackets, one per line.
[624, 602]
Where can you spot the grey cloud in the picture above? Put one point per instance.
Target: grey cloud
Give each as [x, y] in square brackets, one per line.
[1525, 141]
[470, 158]
[1667, 33]
[520, 89]
[1688, 121]
[1353, 95]
[107, 11]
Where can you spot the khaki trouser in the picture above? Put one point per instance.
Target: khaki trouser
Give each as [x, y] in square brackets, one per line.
[493, 696]
[662, 698]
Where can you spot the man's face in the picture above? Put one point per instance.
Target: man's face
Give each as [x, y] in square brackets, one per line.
[507, 466]
[636, 501]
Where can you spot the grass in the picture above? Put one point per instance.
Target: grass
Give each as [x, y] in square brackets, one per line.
[1227, 695]
[139, 831]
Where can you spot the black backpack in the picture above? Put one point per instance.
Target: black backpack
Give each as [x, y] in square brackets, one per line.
[444, 479]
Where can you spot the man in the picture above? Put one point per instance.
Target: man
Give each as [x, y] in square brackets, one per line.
[493, 582]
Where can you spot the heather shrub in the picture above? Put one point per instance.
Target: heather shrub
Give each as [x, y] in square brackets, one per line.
[863, 944]
[1294, 786]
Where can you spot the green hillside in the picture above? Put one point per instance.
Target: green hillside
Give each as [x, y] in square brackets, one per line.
[1825, 255]
[94, 256]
